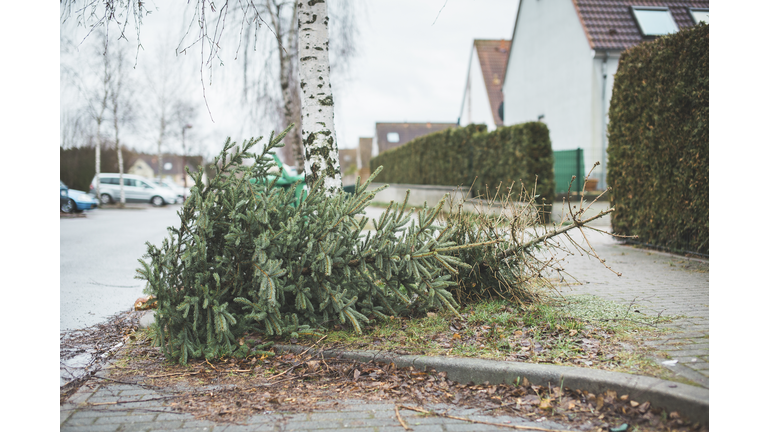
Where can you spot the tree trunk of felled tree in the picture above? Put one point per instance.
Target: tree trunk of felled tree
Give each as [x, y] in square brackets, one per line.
[318, 132]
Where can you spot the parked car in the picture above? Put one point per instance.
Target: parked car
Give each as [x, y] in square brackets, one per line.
[181, 193]
[73, 200]
[136, 189]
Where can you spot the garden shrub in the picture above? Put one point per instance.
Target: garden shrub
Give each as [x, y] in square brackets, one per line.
[658, 151]
[472, 156]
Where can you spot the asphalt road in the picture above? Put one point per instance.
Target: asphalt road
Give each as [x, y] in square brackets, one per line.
[99, 258]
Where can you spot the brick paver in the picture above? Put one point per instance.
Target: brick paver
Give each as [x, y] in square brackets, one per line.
[90, 410]
[654, 283]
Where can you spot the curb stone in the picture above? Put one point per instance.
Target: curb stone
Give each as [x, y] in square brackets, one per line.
[690, 401]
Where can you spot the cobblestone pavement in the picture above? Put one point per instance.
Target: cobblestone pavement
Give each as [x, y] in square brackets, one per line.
[654, 283]
[122, 407]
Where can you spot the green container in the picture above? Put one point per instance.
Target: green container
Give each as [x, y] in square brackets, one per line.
[286, 180]
[569, 163]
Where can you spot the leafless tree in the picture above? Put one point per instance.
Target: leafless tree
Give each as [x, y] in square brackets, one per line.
[95, 96]
[183, 118]
[165, 88]
[206, 30]
[72, 128]
[120, 103]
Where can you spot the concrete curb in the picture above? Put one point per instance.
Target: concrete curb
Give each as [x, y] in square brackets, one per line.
[691, 402]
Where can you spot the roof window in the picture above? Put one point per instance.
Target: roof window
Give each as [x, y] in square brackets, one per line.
[654, 21]
[699, 15]
[393, 137]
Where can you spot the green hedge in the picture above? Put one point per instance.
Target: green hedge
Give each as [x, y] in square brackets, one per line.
[446, 152]
[659, 142]
[456, 157]
[77, 165]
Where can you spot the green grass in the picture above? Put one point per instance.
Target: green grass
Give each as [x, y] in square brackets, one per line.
[577, 331]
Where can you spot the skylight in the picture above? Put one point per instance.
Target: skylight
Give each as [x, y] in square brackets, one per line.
[700, 15]
[654, 21]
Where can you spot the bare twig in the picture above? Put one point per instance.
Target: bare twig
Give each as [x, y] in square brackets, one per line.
[313, 345]
[400, 419]
[175, 374]
[131, 401]
[533, 428]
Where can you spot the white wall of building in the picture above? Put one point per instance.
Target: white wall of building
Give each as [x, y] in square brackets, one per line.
[476, 105]
[604, 65]
[551, 72]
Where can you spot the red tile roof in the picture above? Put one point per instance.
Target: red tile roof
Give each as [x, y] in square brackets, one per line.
[609, 24]
[493, 56]
[406, 132]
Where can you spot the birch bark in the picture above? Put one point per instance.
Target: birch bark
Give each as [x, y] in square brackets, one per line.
[318, 133]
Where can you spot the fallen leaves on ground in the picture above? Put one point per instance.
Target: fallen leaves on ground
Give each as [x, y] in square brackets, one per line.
[232, 390]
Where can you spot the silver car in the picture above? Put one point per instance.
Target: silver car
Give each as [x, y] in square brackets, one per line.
[136, 189]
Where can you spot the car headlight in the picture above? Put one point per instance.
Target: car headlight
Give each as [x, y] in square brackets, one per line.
[63, 192]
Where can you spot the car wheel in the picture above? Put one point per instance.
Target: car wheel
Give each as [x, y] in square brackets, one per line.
[67, 207]
[106, 199]
[157, 201]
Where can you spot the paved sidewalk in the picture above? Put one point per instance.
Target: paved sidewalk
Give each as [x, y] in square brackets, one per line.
[654, 283]
[121, 407]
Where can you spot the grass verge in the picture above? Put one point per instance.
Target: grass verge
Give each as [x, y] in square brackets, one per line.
[582, 331]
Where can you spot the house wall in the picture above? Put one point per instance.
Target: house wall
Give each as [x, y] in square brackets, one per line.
[477, 106]
[601, 101]
[551, 73]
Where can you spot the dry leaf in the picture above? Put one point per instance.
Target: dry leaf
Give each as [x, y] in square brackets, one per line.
[644, 407]
[357, 375]
[545, 403]
[633, 404]
[313, 365]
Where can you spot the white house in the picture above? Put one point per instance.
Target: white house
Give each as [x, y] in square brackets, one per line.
[564, 54]
[483, 96]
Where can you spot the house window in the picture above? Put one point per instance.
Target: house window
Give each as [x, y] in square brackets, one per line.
[654, 21]
[699, 15]
[393, 137]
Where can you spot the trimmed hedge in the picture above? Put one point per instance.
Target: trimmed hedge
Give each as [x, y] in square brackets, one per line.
[77, 165]
[456, 157]
[658, 147]
[446, 152]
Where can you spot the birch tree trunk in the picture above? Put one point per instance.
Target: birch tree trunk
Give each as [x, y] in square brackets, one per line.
[116, 96]
[318, 133]
[105, 81]
[160, 146]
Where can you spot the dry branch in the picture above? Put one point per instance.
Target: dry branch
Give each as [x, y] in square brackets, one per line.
[533, 428]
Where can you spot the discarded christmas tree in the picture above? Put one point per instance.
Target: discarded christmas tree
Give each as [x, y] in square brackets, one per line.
[245, 259]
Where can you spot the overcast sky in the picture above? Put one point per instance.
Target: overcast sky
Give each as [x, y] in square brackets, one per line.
[411, 66]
